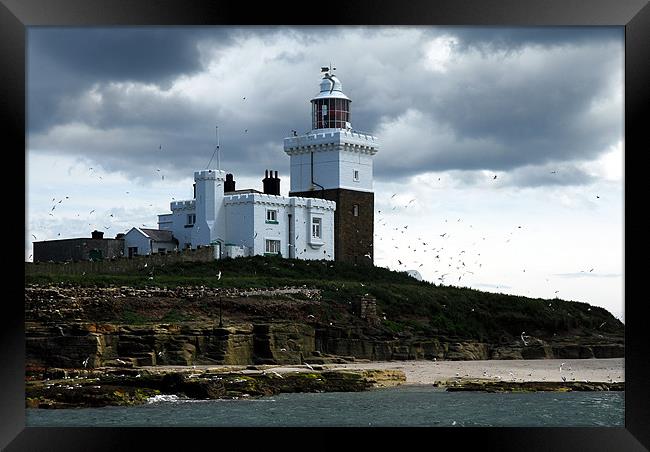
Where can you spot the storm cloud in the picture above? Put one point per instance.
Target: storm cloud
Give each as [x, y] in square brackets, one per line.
[440, 99]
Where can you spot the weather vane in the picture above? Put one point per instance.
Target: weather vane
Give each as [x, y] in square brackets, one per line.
[328, 74]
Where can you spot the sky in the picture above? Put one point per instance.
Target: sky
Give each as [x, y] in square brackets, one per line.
[501, 153]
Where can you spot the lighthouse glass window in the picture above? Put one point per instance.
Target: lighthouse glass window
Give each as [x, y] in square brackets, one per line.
[331, 113]
[315, 228]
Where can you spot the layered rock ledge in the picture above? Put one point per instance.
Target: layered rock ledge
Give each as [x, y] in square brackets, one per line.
[75, 388]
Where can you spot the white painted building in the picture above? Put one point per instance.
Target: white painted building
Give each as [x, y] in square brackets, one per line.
[330, 164]
[248, 222]
[141, 241]
[342, 159]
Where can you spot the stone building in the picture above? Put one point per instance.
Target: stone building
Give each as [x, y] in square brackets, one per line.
[80, 249]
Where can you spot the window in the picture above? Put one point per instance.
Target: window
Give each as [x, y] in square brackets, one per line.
[355, 175]
[271, 216]
[191, 219]
[355, 210]
[272, 247]
[133, 251]
[330, 113]
[162, 250]
[315, 228]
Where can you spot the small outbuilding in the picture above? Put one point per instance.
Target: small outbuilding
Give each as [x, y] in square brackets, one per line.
[141, 241]
[79, 249]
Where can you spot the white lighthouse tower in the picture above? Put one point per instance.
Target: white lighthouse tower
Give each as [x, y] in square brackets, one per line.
[334, 162]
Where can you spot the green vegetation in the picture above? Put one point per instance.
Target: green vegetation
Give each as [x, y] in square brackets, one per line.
[410, 306]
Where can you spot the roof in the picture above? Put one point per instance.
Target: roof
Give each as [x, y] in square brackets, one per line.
[331, 87]
[158, 235]
[245, 190]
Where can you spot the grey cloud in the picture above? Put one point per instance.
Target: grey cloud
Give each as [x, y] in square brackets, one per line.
[490, 39]
[482, 113]
[537, 176]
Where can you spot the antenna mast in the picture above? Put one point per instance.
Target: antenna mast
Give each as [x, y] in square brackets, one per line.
[218, 153]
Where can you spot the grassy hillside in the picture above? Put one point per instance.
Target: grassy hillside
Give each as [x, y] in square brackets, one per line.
[410, 306]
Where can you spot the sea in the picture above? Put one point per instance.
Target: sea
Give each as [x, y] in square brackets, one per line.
[402, 406]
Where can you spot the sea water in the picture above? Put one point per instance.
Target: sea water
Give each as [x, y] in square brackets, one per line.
[407, 405]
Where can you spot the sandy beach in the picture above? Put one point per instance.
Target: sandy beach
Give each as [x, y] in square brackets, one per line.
[429, 372]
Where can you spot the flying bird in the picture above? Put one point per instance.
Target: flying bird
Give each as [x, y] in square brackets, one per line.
[91, 211]
[307, 364]
[495, 176]
[34, 237]
[219, 275]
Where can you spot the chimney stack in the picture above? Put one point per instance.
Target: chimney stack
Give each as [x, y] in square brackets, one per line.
[97, 235]
[229, 184]
[271, 183]
[276, 185]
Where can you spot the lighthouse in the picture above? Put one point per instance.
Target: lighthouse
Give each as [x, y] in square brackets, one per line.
[334, 162]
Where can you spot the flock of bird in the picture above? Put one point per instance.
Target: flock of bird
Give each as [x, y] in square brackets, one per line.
[449, 265]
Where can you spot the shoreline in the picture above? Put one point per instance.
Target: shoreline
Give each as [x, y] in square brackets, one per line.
[116, 386]
[425, 372]
[603, 370]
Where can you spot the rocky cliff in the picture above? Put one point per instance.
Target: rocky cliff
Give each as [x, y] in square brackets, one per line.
[89, 327]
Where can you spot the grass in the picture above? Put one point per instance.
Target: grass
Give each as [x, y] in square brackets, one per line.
[409, 305]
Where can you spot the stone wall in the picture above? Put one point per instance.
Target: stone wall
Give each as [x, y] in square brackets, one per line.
[119, 265]
[353, 235]
[366, 306]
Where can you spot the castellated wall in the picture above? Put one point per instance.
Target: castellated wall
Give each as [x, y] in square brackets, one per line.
[119, 265]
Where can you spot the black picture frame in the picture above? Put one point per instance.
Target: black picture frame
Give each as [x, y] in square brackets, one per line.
[634, 15]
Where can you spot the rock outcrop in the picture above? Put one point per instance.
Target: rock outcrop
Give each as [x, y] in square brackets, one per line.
[90, 327]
